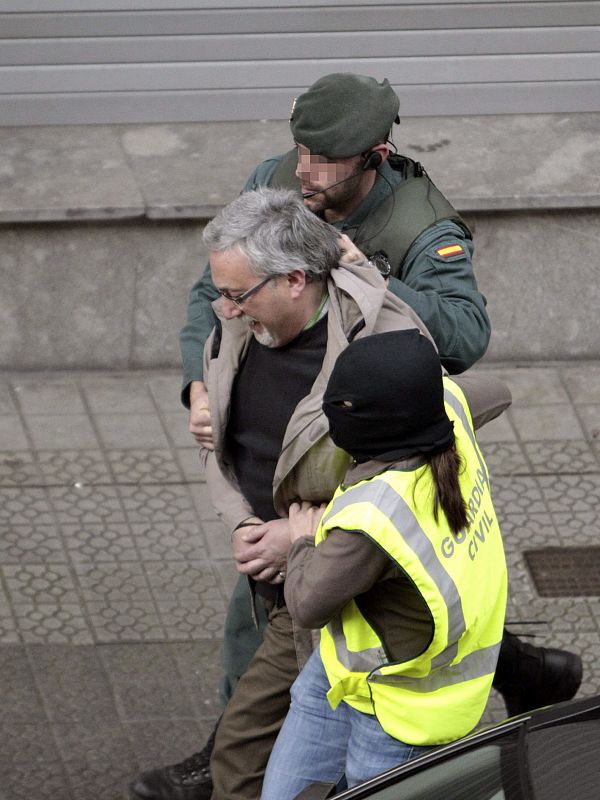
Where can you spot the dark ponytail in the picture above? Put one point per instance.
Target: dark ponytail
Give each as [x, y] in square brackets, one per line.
[445, 468]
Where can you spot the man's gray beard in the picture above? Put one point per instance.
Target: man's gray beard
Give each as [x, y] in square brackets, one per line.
[264, 338]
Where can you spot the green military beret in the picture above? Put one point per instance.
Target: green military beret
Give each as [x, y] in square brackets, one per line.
[344, 114]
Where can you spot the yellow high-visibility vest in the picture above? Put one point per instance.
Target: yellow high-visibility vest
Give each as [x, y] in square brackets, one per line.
[439, 695]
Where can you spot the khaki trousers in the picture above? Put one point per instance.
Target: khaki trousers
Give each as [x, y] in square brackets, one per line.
[254, 715]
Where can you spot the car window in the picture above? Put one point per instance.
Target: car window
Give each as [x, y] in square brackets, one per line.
[486, 773]
[564, 761]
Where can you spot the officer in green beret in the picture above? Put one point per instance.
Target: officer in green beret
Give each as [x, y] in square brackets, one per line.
[386, 203]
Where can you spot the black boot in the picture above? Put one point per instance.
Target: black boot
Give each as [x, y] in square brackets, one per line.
[189, 780]
[530, 677]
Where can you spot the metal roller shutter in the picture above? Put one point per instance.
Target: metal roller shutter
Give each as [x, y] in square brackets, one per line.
[99, 61]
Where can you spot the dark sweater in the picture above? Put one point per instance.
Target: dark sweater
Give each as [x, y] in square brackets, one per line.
[270, 384]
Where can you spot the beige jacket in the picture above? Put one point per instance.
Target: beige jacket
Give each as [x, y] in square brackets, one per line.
[310, 466]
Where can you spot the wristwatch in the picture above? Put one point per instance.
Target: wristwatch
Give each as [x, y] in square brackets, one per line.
[380, 260]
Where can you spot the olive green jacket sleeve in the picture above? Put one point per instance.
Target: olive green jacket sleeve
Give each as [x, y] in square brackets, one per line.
[443, 291]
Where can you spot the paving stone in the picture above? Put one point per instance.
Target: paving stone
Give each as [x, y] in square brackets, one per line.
[40, 583]
[157, 503]
[590, 417]
[18, 468]
[177, 428]
[73, 683]
[12, 434]
[521, 531]
[574, 493]
[48, 781]
[112, 582]
[25, 506]
[144, 466]
[61, 432]
[9, 633]
[73, 467]
[192, 619]
[498, 430]
[25, 743]
[505, 458]
[21, 701]
[146, 682]
[166, 391]
[118, 394]
[561, 457]
[57, 396]
[115, 621]
[33, 544]
[85, 504]
[594, 604]
[166, 741]
[86, 751]
[547, 422]
[182, 580]
[49, 623]
[534, 385]
[131, 431]
[7, 405]
[577, 529]
[582, 382]
[167, 542]
[518, 493]
[94, 542]
[201, 673]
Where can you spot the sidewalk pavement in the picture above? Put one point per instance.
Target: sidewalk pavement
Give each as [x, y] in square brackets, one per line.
[115, 574]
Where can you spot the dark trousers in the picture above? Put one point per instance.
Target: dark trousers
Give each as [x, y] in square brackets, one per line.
[242, 637]
[255, 713]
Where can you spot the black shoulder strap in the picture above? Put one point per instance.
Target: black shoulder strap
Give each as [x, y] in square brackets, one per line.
[414, 206]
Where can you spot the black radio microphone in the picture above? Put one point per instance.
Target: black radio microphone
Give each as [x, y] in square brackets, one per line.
[372, 160]
[327, 188]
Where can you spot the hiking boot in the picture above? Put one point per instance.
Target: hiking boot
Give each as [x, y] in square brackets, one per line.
[530, 677]
[189, 780]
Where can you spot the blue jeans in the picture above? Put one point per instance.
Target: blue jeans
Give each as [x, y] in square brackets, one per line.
[318, 744]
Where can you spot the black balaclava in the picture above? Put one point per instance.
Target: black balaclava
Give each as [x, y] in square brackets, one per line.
[385, 398]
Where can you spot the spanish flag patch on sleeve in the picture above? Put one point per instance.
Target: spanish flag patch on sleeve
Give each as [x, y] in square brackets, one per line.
[450, 250]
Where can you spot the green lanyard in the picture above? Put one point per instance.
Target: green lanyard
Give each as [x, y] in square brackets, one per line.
[320, 312]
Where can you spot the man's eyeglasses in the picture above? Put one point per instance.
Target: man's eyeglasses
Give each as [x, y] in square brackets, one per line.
[241, 298]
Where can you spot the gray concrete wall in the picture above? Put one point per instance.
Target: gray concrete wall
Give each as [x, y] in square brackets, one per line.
[100, 231]
[95, 295]
[539, 272]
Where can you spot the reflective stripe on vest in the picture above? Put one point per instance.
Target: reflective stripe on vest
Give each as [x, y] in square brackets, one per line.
[474, 665]
[395, 508]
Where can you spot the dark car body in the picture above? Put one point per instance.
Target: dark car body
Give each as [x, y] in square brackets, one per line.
[549, 754]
